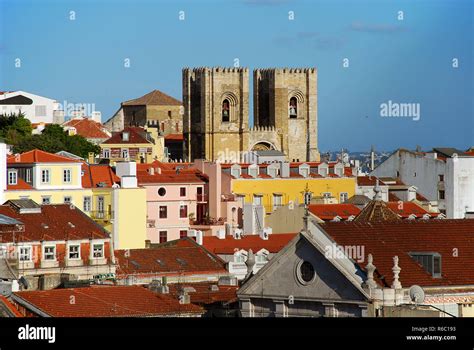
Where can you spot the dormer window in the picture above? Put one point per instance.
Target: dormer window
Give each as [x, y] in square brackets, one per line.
[293, 108]
[125, 136]
[225, 111]
[431, 262]
[253, 171]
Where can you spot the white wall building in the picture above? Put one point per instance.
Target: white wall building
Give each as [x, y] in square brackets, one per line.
[37, 109]
[3, 171]
[443, 175]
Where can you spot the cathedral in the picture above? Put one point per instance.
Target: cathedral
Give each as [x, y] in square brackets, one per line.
[216, 113]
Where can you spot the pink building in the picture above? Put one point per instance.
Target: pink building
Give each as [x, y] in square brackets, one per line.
[176, 198]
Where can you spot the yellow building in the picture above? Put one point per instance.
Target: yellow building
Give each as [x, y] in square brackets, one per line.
[95, 189]
[277, 184]
[133, 144]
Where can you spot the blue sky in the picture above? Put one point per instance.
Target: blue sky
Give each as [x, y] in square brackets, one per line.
[409, 61]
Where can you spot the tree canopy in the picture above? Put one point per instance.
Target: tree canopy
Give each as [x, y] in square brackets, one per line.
[16, 130]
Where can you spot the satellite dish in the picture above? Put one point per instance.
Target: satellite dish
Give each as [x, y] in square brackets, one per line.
[417, 294]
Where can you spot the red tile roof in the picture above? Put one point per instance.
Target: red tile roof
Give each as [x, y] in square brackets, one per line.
[88, 128]
[174, 137]
[229, 245]
[205, 293]
[154, 98]
[179, 257]
[368, 181]
[136, 135]
[38, 156]
[385, 240]
[21, 185]
[330, 211]
[95, 174]
[55, 222]
[376, 211]
[105, 301]
[9, 309]
[405, 209]
[169, 174]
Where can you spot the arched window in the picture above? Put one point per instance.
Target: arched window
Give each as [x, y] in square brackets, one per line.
[293, 108]
[225, 111]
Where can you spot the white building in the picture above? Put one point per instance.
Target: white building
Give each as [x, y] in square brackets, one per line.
[37, 109]
[445, 175]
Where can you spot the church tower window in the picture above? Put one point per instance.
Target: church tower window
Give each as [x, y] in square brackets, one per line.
[225, 111]
[293, 108]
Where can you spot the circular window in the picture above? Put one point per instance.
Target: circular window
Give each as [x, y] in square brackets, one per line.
[305, 272]
[161, 191]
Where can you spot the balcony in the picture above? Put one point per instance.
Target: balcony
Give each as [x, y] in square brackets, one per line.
[101, 215]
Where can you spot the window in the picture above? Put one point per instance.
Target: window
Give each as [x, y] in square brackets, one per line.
[98, 251]
[431, 262]
[45, 176]
[163, 236]
[183, 211]
[261, 258]
[441, 194]
[40, 111]
[257, 199]
[49, 253]
[12, 177]
[100, 204]
[46, 200]
[307, 271]
[225, 111]
[199, 194]
[25, 253]
[67, 200]
[327, 194]
[106, 153]
[74, 252]
[124, 153]
[441, 178]
[277, 201]
[161, 191]
[126, 136]
[293, 108]
[182, 191]
[67, 175]
[177, 126]
[163, 212]
[87, 204]
[343, 197]
[28, 175]
[239, 258]
[183, 234]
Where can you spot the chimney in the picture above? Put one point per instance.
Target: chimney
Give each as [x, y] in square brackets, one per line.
[147, 244]
[221, 233]
[127, 171]
[151, 171]
[91, 157]
[285, 169]
[372, 158]
[199, 237]
[265, 233]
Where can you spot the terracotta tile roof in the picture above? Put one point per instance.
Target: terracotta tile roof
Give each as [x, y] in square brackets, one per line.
[154, 98]
[385, 240]
[405, 209]
[105, 301]
[136, 135]
[358, 199]
[183, 256]
[206, 292]
[174, 137]
[330, 211]
[98, 175]
[21, 185]
[55, 222]
[38, 156]
[169, 173]
[7, 309]
[376, 211]
[368, 181]
[229, 245]
[88, 128]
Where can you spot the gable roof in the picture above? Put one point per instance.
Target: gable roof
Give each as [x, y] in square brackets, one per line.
[53, 223]
[330, 211]
[88, 128]
[154, 98]
[38, 156]
[229, 245]
[183, 256]
[103, 301]
[385, 240]
[136, 135]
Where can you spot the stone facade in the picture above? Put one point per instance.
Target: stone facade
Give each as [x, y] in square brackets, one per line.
[216, 113]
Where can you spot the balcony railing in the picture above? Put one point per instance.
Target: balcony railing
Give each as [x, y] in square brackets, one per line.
[101, 215]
